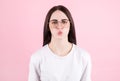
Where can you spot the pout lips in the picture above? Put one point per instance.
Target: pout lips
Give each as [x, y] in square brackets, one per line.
[59, 33]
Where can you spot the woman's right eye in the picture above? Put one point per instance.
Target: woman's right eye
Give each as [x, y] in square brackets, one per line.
[54, 22]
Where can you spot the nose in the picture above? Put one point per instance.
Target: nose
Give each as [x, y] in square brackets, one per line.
[59, 25]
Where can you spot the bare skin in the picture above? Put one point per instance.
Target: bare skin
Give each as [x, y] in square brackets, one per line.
[59, 41]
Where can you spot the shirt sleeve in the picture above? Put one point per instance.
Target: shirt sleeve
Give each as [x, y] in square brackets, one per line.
[87, 72]
[33, 70]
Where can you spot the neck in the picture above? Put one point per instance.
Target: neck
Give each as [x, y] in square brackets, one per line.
[60, 47]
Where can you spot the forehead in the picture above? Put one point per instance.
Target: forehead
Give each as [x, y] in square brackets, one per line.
[59, 15]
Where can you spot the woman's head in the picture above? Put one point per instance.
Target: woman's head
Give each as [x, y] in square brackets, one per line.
[55, 15]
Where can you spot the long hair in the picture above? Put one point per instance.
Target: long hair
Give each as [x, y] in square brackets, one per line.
[47, 33]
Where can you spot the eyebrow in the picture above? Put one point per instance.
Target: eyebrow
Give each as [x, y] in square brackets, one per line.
[57, 20]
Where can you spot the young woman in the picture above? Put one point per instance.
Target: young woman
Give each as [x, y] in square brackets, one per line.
[60, 59]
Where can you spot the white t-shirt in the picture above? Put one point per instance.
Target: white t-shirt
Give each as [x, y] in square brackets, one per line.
[47, 66]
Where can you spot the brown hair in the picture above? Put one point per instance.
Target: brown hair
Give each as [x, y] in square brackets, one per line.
[47, 33]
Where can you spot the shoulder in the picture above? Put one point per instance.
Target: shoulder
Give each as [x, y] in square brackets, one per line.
[38, 54]
[82, 53]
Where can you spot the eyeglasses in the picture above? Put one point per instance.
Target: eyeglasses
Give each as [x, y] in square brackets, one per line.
[55, 22]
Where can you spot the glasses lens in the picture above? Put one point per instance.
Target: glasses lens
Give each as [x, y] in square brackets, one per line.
[64, 21]
[55, 22]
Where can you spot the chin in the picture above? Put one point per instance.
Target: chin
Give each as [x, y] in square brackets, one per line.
[60, 37]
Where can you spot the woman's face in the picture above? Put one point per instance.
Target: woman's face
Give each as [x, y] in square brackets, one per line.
[59, 25]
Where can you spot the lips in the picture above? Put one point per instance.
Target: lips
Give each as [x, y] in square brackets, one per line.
[60, 32]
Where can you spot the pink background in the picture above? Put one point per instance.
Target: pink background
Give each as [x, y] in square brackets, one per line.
[97, 26]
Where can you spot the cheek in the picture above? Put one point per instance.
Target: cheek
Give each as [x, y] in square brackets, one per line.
[67, 30]
[51, 30]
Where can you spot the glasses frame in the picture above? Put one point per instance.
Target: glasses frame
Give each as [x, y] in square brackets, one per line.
[62, 22]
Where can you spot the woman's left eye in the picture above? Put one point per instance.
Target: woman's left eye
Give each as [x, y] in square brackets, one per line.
[64, 22]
